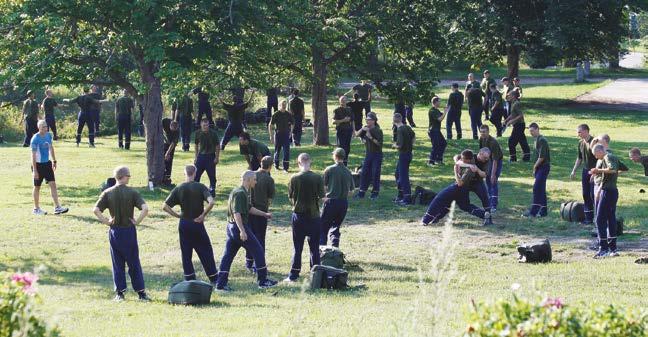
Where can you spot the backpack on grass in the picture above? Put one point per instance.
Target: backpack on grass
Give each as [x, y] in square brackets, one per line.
[332, 257]
[423, 195]
[534, 252]
[192, 292]
[328, 278]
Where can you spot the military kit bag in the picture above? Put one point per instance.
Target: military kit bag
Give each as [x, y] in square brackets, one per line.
[192, 292]
[423, 195]
[534, 252]
[332, 257]
[327, 277]
[572, 211]
[110, 182]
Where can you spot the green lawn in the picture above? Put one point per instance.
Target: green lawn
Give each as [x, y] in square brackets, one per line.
[525, 72]
[407, 279]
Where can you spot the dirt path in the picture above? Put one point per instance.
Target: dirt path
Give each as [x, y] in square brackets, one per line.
[622, 94]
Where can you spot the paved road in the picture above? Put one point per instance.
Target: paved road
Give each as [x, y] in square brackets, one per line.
[623, 94]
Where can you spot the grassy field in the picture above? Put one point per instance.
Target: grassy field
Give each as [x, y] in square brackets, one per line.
[407, 279]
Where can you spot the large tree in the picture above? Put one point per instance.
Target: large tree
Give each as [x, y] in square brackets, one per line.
[135, 45]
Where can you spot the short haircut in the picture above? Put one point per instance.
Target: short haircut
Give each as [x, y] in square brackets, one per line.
[174, 123]
[486, 71]
[398, 117]
[48, 91]
[635, 151]
[505, 79]
[204, 120]
[339, 153]
[534, 125]
[484, 127]
[86, 90]
[485, 151]
[584, 127]
[248, 175]
[190, 170]
[516, 79]
[41, 122]
[303, 158]
[471, 74]
[266, 162]
[295, 91]
[120, 172]
[598, 148]
[468, 154]
[244, 135]
[435, 99]
[605, 137]
[455, 85]
[493, 85]
[282, 102]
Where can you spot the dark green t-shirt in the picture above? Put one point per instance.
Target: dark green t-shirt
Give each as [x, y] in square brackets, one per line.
[644, 162]
[542, 150]
[207, 141]
[492, 144]
[49, 103]
[473, 84]
[254, 149]
[496, 98]
[338, 181]
[341, 113]
[405, 138]
[121, 201]
[305, 190]
[455, 101]
[434, 122]
[467, 177]
[485, 84]
[607, 181]
[516, 110]
[363, 90]
[124, 106]
[263, 191]
[30, 109]
[474, 97]
[282, 120]
[377, 134]
[238, 202]
[585, 153]
[191, 197]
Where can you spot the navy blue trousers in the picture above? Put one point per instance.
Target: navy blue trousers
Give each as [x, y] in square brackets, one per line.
[371, 168]
[475, 119]
[205, 163]
[125, 251]
[186, 127]
[333, 213]
[606, 218]
[259, 226]
[124, 130]
[168, 164]
[84, 118]
[496, 118]
[282, 143]
[453, 119]
[233, 129]
[493, 189]
[367, 107]
[304, 227]
[440, 205]
[518, 137]
[481, 190]
[343, 136]
[96, 118]
[51, 123]
[298, 129]
[402, 176]
[232, 246]
[31, 128]
[193, 236]
[438, 145]
[588, 194]
[539, 204]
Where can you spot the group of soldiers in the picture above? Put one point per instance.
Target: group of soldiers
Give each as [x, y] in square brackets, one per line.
[249, 204]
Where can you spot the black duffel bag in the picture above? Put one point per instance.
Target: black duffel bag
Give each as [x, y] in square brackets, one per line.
[534, 252]
[423, 195]
[192, 292]
[572, 211]
[328, 278]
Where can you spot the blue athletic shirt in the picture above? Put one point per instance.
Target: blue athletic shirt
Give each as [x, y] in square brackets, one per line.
[41, 145]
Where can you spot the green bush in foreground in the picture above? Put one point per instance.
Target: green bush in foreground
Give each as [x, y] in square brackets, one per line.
[551, 317]
[17, 299]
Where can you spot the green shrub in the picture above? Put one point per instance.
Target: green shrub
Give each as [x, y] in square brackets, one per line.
[550, 317]
[17, 301]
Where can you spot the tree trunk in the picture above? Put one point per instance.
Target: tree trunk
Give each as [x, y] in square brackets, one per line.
[614, 59]
[153, 112]
[513, 61]
[318, 103]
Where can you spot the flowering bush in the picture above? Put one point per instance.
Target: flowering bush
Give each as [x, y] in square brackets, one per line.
[17, 299]
[551, 317]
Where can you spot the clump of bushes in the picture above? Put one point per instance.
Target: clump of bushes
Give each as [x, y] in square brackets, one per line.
[551, 317]
[17, 301]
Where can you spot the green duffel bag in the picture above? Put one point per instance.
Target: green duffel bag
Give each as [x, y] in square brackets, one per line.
[331, 256]
[328, 278]
[190, 293]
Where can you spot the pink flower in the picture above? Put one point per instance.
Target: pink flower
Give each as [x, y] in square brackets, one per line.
[554, 302]
[27, 280]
